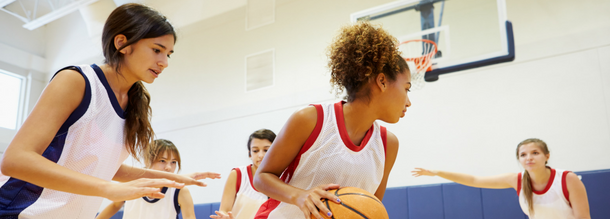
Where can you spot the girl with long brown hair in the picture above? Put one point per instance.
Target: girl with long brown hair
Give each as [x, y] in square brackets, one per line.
[88, 120]
[544, 192]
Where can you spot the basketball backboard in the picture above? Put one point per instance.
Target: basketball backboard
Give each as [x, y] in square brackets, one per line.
[468, 33]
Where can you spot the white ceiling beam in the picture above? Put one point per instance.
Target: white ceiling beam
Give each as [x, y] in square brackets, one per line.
[5, 3]
[54, 15]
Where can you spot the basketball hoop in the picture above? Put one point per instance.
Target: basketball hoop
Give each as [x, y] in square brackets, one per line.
[422, 56]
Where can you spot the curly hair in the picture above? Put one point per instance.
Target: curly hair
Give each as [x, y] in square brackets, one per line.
[359, 53]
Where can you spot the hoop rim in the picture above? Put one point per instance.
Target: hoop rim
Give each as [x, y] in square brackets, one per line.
[430, 54]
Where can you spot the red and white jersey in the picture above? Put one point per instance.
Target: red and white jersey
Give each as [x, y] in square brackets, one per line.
[89, 142]
[551, 203]
[247, 199]
[329, 156]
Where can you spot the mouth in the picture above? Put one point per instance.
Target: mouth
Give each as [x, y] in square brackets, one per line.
[403, 113]
[155, 72]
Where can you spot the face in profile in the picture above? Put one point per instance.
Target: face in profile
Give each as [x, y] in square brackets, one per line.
[147, 58]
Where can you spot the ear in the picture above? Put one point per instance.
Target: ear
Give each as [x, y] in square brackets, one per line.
[119, 41]
[382, 81]
[548, 156]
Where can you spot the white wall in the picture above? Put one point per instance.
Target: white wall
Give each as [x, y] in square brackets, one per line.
[557, 89]
[21, 52]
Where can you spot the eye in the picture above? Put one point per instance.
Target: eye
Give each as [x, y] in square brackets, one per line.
[256, 151]
[266, 150]
[522, 155]
[156, 50]
[536, 152]
[174, 162]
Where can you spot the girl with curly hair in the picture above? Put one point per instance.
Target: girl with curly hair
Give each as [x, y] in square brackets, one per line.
[303, 162]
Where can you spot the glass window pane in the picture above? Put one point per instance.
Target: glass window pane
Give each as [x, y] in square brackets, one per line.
[10, 89]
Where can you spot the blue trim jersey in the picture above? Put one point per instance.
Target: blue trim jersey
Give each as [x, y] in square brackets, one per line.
[144, 208]
[91, 141]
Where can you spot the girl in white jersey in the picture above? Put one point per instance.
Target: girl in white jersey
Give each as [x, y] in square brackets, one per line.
[240, 199]
[88, 120]
[328, 146]
[544, 193]
[163, 156]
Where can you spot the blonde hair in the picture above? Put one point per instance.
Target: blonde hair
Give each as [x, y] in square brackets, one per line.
[527, 181]
[157, 148]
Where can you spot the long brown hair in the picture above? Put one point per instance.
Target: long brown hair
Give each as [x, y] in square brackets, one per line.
[527, 181]
[136, 22]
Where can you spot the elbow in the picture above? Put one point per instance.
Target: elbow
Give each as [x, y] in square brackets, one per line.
[6, 166]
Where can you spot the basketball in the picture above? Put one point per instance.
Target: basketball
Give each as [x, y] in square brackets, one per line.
[355, 203]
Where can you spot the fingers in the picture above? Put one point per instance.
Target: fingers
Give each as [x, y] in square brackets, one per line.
[157, 183]
[206, 175]
[327, 195]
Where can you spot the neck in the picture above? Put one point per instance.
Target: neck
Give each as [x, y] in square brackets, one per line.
[253, 168]
[120, 83]
[358, 116]
[541, 176]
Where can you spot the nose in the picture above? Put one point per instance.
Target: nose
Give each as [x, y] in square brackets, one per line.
[163, 62]
[408, 102]
[261, 154]
[168, 166]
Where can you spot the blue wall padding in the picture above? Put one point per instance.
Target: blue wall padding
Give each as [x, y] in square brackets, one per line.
[118, 215]
[597, 184]
[454, 201]
[203, 210]
[215, 207]
[425, 202]
[501, 204]
[462, 202]
[395, 201]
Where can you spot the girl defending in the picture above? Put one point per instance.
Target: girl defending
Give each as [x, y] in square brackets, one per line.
[544, 192]
[85, 124]
[239, 197]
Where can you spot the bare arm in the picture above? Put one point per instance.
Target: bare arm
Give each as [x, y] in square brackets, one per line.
[228, 196]
[128, 173]
[503, 181]
[391, 152]
[110, 210]
[578, 196]
[186, 204]
[23, 158]
[284, 149]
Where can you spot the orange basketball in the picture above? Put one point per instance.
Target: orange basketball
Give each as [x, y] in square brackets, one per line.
[355, 203]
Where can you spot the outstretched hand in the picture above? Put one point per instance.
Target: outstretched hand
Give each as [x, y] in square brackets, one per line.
[220, 215]
[423, 172]
[192, 178]
[138, 188]
[309, 201]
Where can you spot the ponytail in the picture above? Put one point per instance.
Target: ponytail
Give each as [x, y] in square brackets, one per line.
[528, 192]
[138, 131]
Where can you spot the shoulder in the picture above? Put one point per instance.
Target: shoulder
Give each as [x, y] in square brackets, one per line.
[572, 178]
[303, 120]
[392, 139]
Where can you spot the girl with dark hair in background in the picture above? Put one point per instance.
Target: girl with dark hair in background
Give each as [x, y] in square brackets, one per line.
[162, 155]
[240, 200]
[88, 120]
[326, 146]
[544, 192]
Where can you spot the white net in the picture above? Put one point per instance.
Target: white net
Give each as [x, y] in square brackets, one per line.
[418, 54]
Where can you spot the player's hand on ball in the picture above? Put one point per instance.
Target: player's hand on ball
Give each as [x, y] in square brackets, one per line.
[221, 215]
[309, 201]
[423, 172]
[138, 188]
[192, 178]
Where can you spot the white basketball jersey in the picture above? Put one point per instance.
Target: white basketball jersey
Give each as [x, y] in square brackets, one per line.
[90, 142]
[146, 208]
[329, 156]
[247, 200]
[552, 202]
